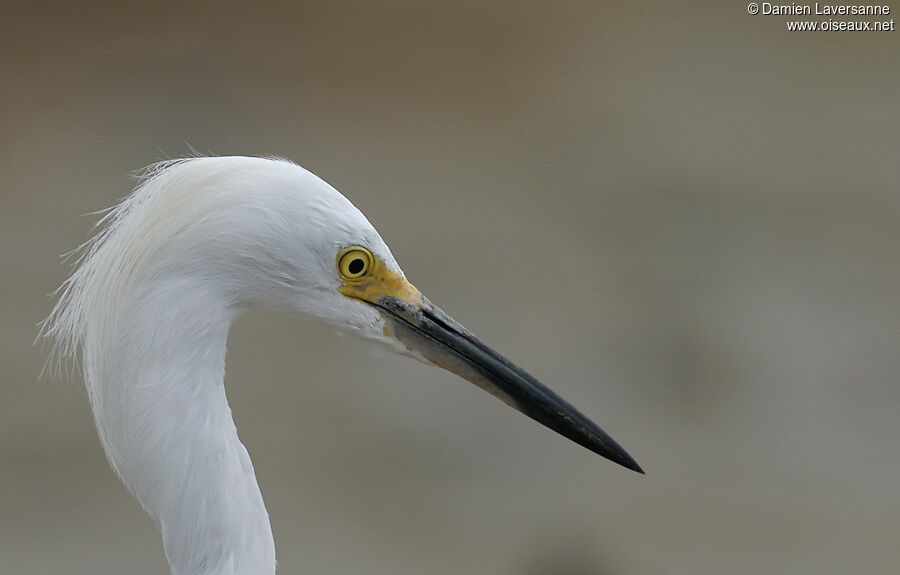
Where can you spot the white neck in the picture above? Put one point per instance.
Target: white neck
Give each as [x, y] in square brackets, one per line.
[159, 401]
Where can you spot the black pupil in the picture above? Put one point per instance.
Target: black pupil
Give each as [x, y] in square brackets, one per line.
[356, 266]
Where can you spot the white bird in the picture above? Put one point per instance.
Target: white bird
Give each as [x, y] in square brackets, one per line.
[147, 312]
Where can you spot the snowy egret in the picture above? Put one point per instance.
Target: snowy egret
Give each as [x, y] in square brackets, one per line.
[147, 311]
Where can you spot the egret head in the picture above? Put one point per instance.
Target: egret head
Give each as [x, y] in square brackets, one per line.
[258, 232]
[148, 308]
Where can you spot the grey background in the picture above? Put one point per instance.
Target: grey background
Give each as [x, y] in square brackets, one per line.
[684, 219]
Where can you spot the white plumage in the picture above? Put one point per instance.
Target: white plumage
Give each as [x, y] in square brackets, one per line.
[148, 308]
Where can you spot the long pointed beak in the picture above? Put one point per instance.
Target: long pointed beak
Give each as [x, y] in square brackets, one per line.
[425, 329]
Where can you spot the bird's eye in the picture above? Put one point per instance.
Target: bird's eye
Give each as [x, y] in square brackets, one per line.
[354, 263]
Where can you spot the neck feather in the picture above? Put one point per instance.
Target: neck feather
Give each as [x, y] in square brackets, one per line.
[159, 401]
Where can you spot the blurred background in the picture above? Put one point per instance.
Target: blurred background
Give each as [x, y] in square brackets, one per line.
[683, 219]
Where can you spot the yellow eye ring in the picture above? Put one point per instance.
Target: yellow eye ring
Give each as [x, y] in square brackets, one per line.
[354, 262]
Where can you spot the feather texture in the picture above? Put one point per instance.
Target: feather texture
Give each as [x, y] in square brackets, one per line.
[147, 311]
